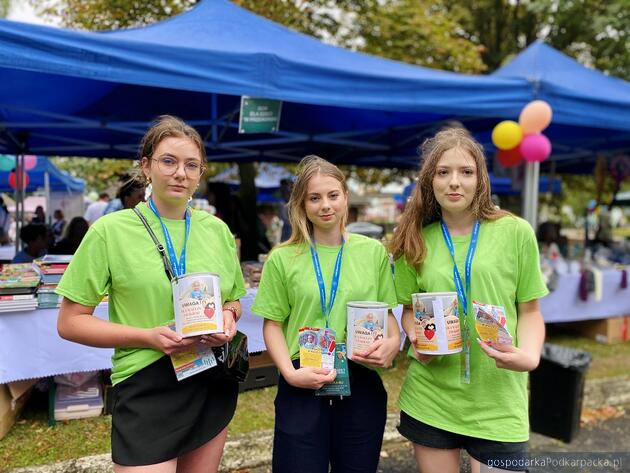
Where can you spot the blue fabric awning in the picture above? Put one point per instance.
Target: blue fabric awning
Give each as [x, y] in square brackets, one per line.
[59, 180]
[70, 93]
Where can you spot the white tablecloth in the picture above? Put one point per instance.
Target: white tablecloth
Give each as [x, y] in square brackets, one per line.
[31, 348]
[564, 304]
[7, 252]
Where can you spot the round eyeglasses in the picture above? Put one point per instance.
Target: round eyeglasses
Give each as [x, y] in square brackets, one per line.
[168, 166]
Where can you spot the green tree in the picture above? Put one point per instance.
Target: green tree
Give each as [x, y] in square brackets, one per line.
[99, 174]
[5, 7]
[413, 31]
[96, 15]
[594, 32]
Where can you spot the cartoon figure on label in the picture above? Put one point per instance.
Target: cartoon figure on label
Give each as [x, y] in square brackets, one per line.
[429, 331]
[209, 308]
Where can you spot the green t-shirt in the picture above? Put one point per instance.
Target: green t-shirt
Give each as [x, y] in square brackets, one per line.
[505, 271]
[117, 256]
[289, 293]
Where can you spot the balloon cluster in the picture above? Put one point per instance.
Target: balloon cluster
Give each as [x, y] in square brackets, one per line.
[7, 163]
[524, 140]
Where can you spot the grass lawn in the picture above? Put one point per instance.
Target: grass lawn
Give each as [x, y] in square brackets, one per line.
[32, 442]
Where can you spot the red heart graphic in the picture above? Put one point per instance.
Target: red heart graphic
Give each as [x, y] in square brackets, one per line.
[209, 312]
[429, 334]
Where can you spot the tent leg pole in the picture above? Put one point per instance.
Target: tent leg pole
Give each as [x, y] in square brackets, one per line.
[530, 201]
[215, 116]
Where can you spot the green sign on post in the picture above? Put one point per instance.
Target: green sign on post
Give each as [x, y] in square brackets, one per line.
[259, 115]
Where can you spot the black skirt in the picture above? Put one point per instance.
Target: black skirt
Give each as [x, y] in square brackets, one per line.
[156, 418]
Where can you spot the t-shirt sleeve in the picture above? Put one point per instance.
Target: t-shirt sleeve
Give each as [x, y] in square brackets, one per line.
[272, 301]
[405, 280]
[530, 284]
[238, 289]
[87, 278]
[386, 288]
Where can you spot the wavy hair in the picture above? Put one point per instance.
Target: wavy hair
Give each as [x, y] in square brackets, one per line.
[423, 209]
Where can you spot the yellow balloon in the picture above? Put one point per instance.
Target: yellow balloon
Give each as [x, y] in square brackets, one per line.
[507, 135]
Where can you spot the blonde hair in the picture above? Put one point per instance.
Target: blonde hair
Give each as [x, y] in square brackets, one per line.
[166, 126]
[301, 226]
[423, 209]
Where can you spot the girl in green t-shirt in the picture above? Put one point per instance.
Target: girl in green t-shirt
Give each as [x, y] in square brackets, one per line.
[452, 238]
[314, 433]
[158, 423]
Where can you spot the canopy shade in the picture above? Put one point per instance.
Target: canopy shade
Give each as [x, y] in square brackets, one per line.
[58, 180]
[93, 94]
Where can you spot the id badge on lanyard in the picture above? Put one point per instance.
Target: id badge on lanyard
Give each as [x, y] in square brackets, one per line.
[463, 294]
[324, 355]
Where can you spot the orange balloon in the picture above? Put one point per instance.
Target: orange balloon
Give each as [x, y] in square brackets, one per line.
[535, 117]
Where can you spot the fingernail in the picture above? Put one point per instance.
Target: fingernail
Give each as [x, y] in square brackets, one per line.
[478, 340]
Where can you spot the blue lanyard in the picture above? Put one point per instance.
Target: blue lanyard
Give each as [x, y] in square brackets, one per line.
[463, 295]
[320, 281]
[179, 267]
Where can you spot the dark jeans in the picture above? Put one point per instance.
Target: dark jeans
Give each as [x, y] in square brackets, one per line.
[312, 434]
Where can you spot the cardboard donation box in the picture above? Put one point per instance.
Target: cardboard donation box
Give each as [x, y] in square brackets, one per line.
[13, 397]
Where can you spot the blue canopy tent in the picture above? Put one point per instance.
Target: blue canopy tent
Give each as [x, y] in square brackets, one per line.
[591, 111]
[92, 94]
[59, 181]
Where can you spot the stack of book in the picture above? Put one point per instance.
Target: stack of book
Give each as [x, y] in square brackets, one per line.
[18, 283]
[51, 268]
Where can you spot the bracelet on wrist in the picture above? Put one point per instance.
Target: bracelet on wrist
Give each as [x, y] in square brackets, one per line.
[234, 312]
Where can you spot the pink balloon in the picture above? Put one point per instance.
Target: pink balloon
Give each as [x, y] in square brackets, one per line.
[30, 161]
[535, 147]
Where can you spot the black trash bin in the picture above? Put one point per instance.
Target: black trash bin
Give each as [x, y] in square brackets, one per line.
[556, 390]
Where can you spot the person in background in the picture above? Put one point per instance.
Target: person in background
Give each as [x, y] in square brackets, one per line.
[269, 227]
[58, 225]
[95, 209]
[5, 223]
[131, 192]
[40, 215]
[219, 196]
[73, 235]
[285, 193]
[34, 236]
[353, 214]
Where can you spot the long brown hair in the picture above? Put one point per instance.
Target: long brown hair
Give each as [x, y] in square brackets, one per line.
[301, 226]
[423, 208]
